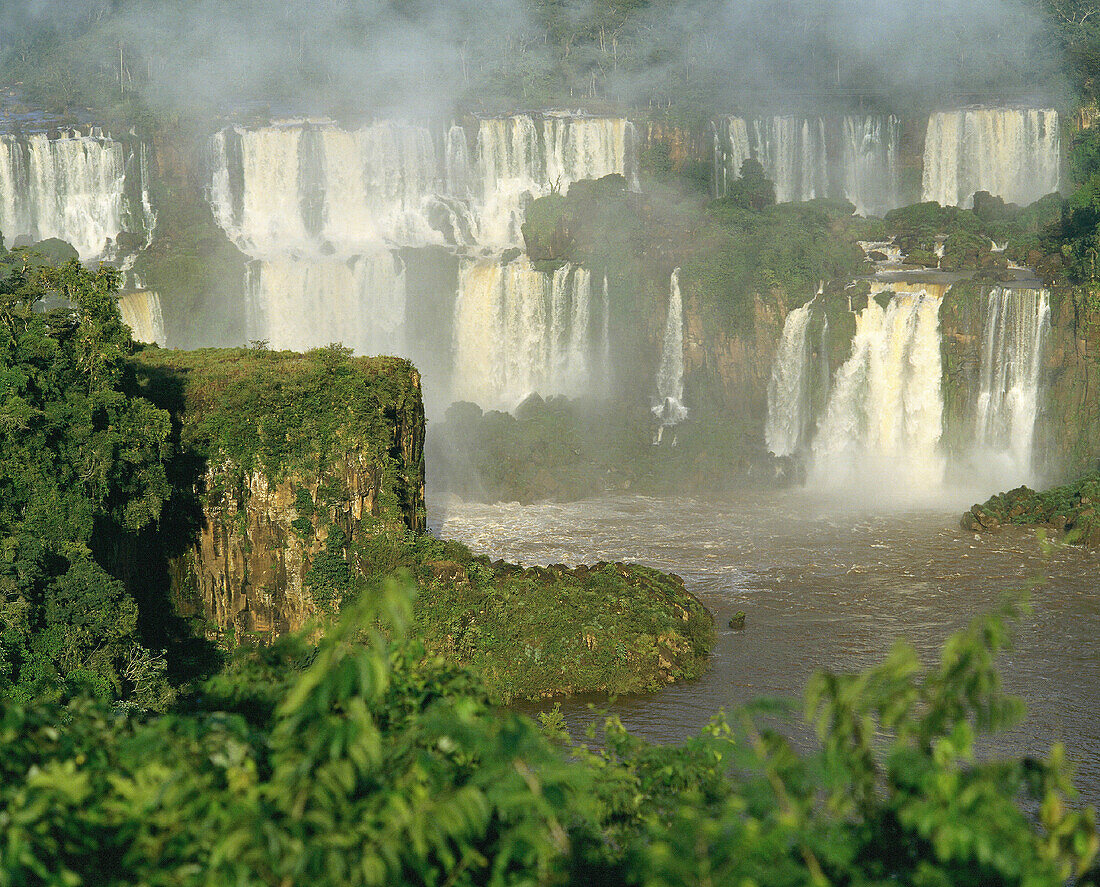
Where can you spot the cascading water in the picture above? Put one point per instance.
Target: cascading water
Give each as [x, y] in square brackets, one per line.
[298, 304]
[324, 188]
[323, 213]
[71, 188]
[668, 405]
[1009, 397]
[1013, 153]
[518, 330]
[884, 417]
[854, 157]
[141, 312]
[520, 160]
[791, 385]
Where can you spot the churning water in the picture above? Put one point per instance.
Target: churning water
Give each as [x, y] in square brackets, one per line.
[826, 585]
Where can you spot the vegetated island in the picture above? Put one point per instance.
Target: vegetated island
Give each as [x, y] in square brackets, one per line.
[1070, 509]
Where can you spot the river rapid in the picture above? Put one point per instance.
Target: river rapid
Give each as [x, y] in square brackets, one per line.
[826, 585]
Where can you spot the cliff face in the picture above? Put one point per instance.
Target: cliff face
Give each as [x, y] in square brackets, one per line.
[732, 369]
[274, 453]
[1069, 425]
[729, 371]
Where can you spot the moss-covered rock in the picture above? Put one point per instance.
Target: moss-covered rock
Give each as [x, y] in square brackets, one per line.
[299, 485]
[544, 631]
[276, 452]
[1071, 509]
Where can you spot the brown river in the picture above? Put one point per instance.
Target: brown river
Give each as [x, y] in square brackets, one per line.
[827, 585]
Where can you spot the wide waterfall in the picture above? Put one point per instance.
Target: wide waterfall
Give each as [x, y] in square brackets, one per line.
[518, 331]
[1013, 153]
[1008, 403]
[71, 188]
[326, 215]
[519, 160]
[668, 405]
[884, 417]
[302, 303]
[854, 157]
[321, 188]
[790, 389]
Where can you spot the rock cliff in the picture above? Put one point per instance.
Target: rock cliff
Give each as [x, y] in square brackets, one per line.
[275, 451]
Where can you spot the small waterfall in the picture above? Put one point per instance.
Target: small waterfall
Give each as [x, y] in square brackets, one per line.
[791, 384]
[302, 303]
[72, 188]
[884, 417]
[141, 312]
[853, 157]
[518, 330]
[1013, 153]
[668, 406]
[148, 214]
[1015, 329]
[519, 160]
[870, 163]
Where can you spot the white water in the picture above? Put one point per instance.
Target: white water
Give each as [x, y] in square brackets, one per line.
[668, 405]
[789, 389]
[518, 331]
[297, 304]
[322, 210]
[1013, 153]
[320, 187]
[883, 421]
[1009, 398]
[854, 157]
[141, 312]
[520, 160]
[71, 188]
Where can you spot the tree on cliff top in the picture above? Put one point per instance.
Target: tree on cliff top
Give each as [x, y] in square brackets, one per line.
[753, 190]
[78, 457]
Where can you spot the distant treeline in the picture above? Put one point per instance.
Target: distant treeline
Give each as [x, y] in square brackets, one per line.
[686, 57]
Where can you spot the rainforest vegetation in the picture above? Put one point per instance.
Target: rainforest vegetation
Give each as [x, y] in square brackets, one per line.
[144, 743]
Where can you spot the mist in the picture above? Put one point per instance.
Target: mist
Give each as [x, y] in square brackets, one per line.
[418, 58]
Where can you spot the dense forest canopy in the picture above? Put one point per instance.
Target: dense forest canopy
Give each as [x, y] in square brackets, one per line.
[416, 57]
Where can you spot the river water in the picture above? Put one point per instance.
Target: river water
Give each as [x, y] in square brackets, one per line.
[827, 585]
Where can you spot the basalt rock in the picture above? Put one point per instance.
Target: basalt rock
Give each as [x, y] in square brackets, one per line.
[275, 452]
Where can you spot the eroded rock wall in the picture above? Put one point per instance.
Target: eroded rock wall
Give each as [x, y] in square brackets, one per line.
[284, 450]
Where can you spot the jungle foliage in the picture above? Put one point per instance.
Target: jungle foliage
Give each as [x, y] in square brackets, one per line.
[366, 761]
[672, 56]
[81, 459]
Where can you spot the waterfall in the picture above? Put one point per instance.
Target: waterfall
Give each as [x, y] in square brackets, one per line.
[884, 417]
[324, 213]
[518, 330]
[323, 188]
[791, 384]
[1013, 153]
[853, 157]
[71, 188]
[301, 303]
[1008, 401]
[870, 163]
[520, 161]
[141, 312]
[148, 213]
[668, 406]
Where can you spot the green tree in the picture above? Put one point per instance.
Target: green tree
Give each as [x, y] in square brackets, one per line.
[80, 460]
